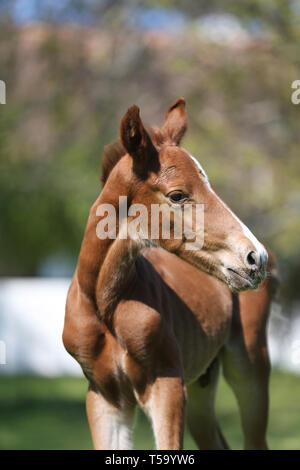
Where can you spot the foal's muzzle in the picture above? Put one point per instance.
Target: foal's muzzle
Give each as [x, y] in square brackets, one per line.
[249, 272]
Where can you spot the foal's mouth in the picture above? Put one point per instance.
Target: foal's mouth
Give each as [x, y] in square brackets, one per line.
[241, 281]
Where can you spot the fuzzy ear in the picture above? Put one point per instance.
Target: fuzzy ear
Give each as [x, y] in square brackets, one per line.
[175, 123]
[137, 143]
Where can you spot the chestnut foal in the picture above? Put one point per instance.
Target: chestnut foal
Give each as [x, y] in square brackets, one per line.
[147, 317]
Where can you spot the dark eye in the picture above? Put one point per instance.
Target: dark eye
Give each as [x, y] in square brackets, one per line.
[177, 196]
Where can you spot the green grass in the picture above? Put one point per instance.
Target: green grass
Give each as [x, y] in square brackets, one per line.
[41, 413]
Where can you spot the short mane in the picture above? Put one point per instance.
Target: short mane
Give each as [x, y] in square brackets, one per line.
[112, 153]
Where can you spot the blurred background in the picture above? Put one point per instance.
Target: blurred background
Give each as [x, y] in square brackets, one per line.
[72, 68]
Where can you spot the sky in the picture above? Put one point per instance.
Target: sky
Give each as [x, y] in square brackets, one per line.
[28, 11]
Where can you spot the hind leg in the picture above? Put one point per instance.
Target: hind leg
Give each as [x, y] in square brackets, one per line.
[249, 383]
[246, 365]
[201, 416]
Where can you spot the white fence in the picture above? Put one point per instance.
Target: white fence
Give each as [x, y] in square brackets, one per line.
[31, 324]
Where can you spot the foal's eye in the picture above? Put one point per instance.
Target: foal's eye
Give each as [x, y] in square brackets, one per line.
[177, 196]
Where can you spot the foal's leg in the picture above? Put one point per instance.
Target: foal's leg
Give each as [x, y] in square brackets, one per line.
[111, 427]
[249, 383]
[201, 416]
[246, 365]
[165, 407]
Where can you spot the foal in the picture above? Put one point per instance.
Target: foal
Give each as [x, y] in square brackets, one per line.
[147, 316]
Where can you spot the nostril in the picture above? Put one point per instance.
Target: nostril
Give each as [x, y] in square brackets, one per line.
[252, 259]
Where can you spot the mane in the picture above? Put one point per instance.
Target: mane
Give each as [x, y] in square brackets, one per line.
[114, 151]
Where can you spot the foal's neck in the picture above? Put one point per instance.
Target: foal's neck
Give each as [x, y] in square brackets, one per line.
[105, 267]
[115, 275]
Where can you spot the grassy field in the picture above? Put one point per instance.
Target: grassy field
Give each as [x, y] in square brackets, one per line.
[41, 413]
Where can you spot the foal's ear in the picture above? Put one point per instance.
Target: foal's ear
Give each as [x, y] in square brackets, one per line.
[174, 125]
[137, 142]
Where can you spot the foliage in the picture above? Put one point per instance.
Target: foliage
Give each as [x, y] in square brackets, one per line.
[68, 86]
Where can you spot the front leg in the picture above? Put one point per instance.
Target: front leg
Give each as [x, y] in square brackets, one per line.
[166, 406]
[110, 426]
[153, 364]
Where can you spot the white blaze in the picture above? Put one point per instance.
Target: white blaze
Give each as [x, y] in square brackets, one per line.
[258, 246]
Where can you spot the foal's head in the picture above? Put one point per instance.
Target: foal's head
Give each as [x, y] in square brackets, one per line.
[158, 171]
